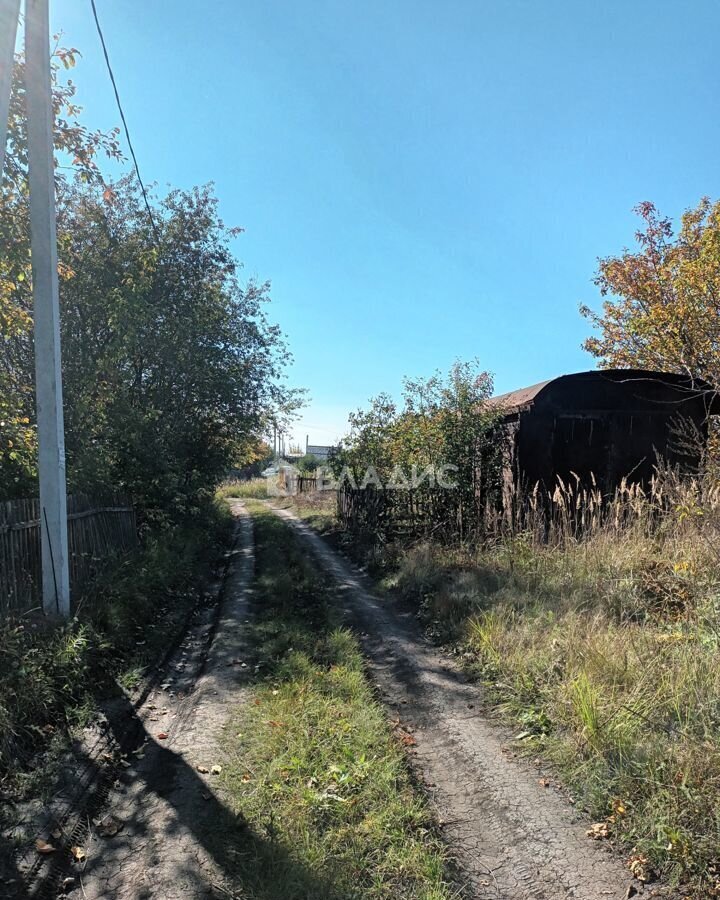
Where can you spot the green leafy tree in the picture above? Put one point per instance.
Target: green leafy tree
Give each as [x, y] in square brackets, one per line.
[78, 151]
[171, 370]
[170, 364]
[444, 421]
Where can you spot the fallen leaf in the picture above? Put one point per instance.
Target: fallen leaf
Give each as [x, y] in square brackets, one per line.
[109, 826]
[202, 769]
[543, 782]
[42, 846]
[216, 770]
[598, 831]
[640, 867]
[162, 736]
[246, 777]
[78, 854]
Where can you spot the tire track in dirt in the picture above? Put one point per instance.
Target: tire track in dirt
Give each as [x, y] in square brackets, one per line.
[176, 836]
[514, 838]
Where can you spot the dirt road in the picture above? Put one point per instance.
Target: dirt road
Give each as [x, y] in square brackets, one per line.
[514, 837]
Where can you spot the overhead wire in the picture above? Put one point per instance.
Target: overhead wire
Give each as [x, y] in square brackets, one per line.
[124, 122]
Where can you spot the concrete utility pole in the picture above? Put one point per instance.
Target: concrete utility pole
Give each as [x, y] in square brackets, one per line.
[9, 15]
[48, 378]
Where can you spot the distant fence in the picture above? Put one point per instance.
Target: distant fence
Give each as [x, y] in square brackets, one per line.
[569, 511]
[291, 482]
[97, 531]
[394, 514]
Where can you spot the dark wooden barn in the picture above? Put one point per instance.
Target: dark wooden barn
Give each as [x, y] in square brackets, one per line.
[608, 424]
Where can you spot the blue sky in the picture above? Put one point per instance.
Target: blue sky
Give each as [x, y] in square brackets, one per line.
[421, 181]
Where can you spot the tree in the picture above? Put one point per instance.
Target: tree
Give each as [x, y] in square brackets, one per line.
[444, 420]
[662, 306]
[307, 464]
[170, 364]
[77, 154]
[171, 370]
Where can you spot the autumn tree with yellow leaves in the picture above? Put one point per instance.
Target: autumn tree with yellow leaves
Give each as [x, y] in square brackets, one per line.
[662, 300]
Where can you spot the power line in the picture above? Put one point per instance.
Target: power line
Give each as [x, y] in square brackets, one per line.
[124, 121]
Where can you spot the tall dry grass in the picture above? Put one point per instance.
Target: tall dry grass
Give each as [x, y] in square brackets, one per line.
[597, 630]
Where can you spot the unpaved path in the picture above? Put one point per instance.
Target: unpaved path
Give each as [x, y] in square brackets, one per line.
[514, 838]
[177, 837]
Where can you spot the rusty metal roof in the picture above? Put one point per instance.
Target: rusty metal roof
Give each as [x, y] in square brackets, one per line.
[514, 401]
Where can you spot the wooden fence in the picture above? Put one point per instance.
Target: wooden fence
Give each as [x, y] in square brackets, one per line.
[569, 511]
[292, 482]
[390, 514]
[98, 530]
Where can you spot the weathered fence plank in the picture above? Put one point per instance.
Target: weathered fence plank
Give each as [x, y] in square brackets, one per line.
[97, 532]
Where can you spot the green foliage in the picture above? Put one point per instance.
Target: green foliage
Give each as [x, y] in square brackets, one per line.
[443, 421]
[50, 672]
[78, 151]
[312, 762]
[308, 464]
[170, 363]
[170, 367]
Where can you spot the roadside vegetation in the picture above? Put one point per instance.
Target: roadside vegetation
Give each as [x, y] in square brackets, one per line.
[602, 651]
[313, 763]
[251, 488]
[52, 674]
[595, 632]
[171, 371]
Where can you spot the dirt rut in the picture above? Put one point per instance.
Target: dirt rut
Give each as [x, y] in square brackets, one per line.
[514, 837]
[176, 836]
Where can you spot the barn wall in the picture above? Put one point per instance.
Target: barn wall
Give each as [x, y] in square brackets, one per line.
[594, 426]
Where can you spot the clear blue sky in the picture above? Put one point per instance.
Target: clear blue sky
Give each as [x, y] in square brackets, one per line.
[419, 180]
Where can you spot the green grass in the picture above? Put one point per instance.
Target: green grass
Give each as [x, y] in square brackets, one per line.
[251, 488]
[314, 766]
[318, 509]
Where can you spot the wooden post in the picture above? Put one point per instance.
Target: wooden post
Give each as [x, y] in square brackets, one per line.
[48, 378]
[9, 14]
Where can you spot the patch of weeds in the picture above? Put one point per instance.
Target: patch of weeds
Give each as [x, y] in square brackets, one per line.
[246, 489]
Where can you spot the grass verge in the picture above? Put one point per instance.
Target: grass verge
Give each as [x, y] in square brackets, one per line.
[314, 766]
[245, 489]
